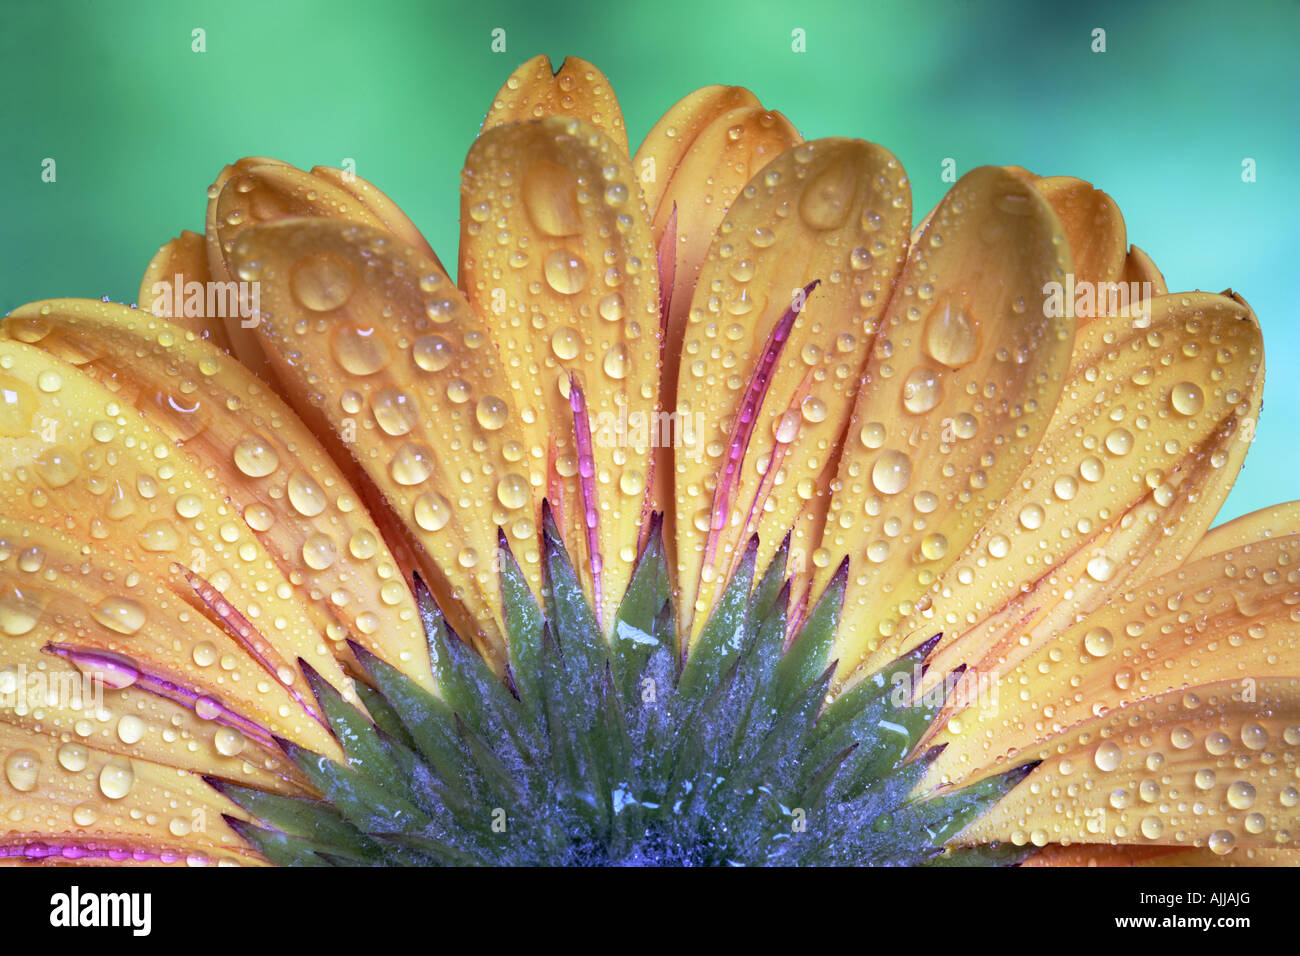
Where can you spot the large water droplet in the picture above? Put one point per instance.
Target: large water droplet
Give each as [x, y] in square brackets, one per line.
[1187, 398]
[394, 410]
[891, 472]
[20, 609]
[922, 390]
[305, 495]
[432, 353]
[550, 198]
[513, 491]
[23, 770]
[255, 456]
[116, 779]
[617, 361]
[565, 272]
[431, 511]
[319, 552]
[412, 464]
[491, 412]
[359, 349]
[1098, 642]
[120, 614]
[828, 196]
[322, 282]
[951, 336]
[566, 343]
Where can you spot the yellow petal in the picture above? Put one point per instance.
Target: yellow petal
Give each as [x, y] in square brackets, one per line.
[256, 190]
[770, 366]
[535, 91]
[102, 654]
[673, 136]
[691, 166]
[1093, 225]
[960, 386]
[64, 802]
[1139, 268]
[83, 459]
[1142, 450]
[555, 257]
[1223, 626]
[1205, 769]
[165, 289]
[1093, 854]
[407, 377]
[269, 462]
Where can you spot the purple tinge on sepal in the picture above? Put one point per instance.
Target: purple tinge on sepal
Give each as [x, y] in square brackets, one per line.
[742, 429]
[587, 482]
[119, 672]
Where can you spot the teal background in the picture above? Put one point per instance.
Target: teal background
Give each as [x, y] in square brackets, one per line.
[139, 125]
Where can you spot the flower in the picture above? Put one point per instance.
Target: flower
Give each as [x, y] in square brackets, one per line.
[986, 453]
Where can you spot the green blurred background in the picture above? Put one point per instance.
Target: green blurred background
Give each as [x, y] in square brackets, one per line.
[139, 125]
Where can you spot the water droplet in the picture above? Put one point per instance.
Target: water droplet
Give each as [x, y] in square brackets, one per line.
[431, 511]
[1119, 441]
[1031, 516]
[228, 741]
[1241, 795]
[159, 537]
[23, 770]
[550, 198]
[828, 196]
[432, 353]
[1107, 756]
[1187, 398]
[813, 409]
[565, 272]
[921, 390]
[318, 552]
[116, 779]
[1091, 469]
[891, 472]
[513, 491]
[1221, 842]
[359, 349]
[1098, 642]
[20, 609]
[785, 427]
[872, 435]
[395, 411]
[305, 495]
[951, 336]
[566, 343]
[617, 362]
[611, 307]
[322, 282]
[934, 547]
[130, 729]
[412, 464]
[119, 614]
[255, 456]
[73, 757]
[58, 466]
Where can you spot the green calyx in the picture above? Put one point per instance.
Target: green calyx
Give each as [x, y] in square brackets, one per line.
[618, 752]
